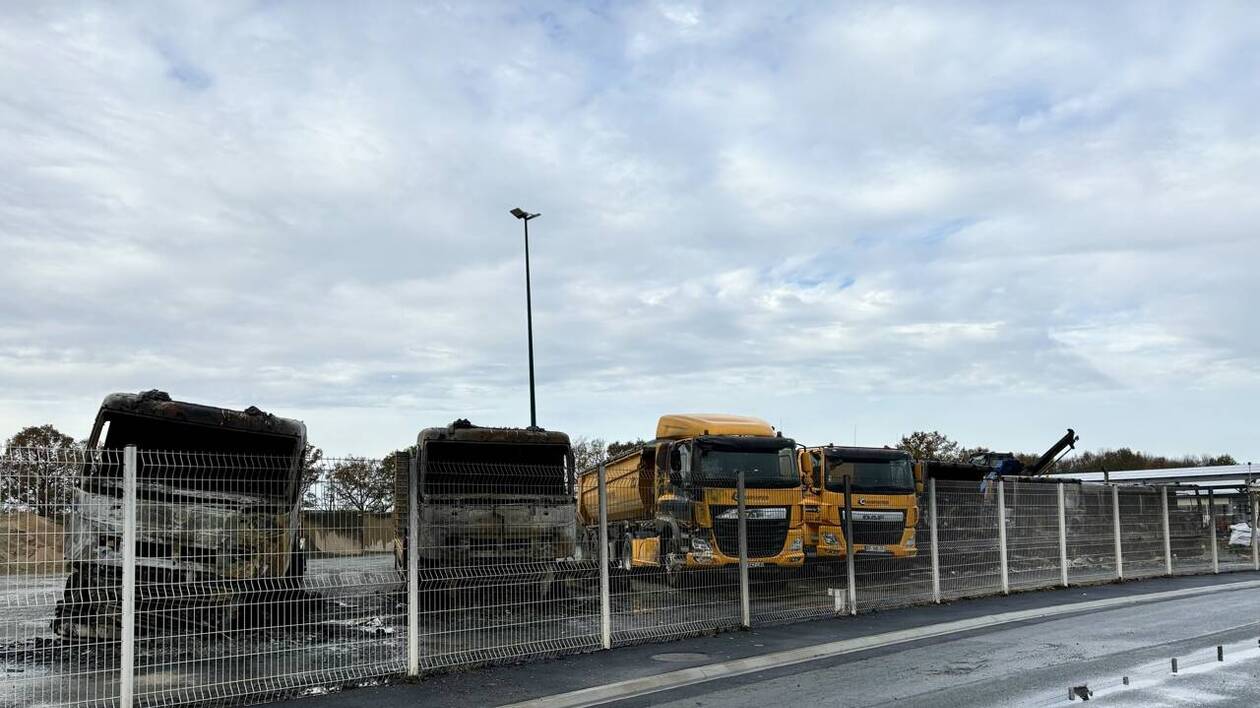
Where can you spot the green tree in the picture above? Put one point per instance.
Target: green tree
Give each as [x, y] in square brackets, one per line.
[923, 445]
[39, 466]
[312, 470]
[589, 452]
[362, 484]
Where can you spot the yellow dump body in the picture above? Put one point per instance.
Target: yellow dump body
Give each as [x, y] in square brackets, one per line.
[671, 503]
[631, 490]
[679, 426]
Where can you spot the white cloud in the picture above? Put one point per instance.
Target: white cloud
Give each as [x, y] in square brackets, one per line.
[890, 216]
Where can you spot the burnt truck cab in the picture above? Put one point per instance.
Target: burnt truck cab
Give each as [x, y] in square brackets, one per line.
[491, 497]
[218, 502]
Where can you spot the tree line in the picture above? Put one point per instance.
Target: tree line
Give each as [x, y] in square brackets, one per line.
[40, 471]
[40, 466]
[934, 445]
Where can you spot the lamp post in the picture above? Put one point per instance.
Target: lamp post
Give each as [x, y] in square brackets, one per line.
[525, 216]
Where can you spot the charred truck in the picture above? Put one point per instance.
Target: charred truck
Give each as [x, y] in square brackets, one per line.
[672, 504]
[217, 515]
[884, 489]
[494, 503]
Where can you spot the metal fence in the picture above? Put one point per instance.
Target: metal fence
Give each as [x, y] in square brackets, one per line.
[150, 578]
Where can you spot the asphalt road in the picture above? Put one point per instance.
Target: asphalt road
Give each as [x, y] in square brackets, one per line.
[1030, 663]
[1033, 664]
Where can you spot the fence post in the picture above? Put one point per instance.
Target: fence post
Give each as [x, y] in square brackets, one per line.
[1001, 512]
[1063, 563]
[745, 609]
[1115, 525]
[1168, 533]
[1216, 562]
[605, 601]
[1255, 539]
[127, 645]
[936, 557]
[850, 569]
[413, 567]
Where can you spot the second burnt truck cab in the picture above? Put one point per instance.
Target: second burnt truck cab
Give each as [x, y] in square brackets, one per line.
[672, 503]
[884, 487]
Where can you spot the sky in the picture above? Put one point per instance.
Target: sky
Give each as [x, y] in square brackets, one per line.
[852, 220]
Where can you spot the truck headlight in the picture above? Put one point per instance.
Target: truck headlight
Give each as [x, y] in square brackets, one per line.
[796, 544]
[910, 543]
[830, 539]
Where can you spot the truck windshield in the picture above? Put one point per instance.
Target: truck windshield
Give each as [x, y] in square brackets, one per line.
[888, 476]
[762, 468]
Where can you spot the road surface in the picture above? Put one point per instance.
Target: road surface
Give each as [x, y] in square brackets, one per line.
[1032, 662]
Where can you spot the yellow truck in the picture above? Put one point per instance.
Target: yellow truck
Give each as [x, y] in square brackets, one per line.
[884, 484]
[672, 504]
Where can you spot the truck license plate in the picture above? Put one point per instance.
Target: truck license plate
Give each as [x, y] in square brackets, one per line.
[876, 549]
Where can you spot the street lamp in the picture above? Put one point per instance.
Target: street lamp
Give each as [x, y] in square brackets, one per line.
[525, 216]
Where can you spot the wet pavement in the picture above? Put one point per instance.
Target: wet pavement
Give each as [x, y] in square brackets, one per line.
[1031, 663]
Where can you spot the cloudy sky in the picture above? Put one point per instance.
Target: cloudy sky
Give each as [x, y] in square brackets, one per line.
[849, 219]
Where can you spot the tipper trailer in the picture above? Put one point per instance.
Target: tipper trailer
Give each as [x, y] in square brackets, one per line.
[672, 503]
[217, 516]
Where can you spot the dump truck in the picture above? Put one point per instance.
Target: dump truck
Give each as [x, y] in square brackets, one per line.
[672, 503]
[217, 516]
[493, 504]
[884, 488]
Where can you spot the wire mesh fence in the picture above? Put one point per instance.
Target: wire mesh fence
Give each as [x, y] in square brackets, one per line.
[178, 578]
[1190, 532]
[1091, 539]
[1032, 534]
[1142, 512]
[60, 613]
[967, 528]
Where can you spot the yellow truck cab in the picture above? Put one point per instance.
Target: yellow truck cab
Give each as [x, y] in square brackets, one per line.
[884, 484]
[672, 504]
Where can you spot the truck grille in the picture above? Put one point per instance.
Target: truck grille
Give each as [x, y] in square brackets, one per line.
[765, 536]
[880, 533]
